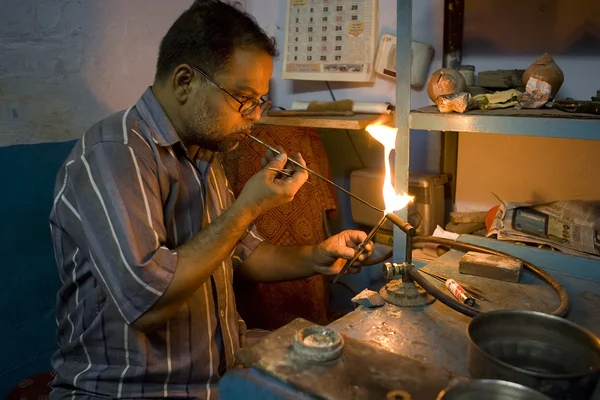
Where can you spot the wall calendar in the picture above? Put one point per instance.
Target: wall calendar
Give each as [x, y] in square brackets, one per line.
[330, 40]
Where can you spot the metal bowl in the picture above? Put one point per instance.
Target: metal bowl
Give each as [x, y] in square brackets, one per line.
[547, 353]
[490, 389]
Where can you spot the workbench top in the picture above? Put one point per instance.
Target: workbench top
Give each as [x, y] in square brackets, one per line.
[436, 334]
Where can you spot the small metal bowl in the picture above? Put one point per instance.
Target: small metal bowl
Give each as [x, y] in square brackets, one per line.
[490, 389]
[318, 343]
[544, 352]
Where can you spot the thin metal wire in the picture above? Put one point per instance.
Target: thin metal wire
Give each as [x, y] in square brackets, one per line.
[474, 292]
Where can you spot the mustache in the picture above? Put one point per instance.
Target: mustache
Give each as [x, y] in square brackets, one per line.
[243, 129]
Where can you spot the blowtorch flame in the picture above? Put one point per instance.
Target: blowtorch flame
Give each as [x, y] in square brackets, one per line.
[386, 135]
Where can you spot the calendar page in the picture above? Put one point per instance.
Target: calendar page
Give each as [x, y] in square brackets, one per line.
[330, 40]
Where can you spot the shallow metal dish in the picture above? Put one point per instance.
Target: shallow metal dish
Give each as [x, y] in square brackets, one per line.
[490, 389]
[547, 353]
[318, 343]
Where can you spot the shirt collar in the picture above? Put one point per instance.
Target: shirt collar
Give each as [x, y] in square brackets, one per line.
[151, 111]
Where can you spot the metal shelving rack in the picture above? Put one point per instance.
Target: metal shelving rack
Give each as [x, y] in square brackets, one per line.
[543, 123]
[547, 123]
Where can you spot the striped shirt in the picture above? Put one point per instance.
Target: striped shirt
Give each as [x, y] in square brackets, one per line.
[125, 198]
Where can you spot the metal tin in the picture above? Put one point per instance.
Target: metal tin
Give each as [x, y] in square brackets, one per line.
[547, 353]
[490, 389]
[468, 72]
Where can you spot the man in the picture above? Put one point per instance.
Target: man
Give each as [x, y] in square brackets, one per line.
[146, 232]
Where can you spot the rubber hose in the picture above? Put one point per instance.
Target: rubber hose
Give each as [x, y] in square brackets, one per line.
[561, 311]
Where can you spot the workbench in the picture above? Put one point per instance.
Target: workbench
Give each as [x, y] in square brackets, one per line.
[432, 335]
[436, 334]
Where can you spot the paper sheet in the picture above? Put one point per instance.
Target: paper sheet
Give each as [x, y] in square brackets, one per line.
[444, 234]
[359, 108]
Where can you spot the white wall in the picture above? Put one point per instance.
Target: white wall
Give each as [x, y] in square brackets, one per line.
[511, 34]
[428, 23]
[427, 26]
[66, 64]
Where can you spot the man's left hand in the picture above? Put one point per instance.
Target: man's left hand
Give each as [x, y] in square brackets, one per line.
[332, 254]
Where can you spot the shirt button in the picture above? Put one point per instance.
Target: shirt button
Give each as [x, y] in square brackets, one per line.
[222, 314]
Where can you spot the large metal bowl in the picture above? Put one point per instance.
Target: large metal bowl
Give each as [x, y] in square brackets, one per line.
[490, 389]
[546, 353]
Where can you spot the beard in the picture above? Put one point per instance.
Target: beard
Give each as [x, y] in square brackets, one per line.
[203, 126]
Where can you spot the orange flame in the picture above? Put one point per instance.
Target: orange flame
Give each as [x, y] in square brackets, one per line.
[386, 135]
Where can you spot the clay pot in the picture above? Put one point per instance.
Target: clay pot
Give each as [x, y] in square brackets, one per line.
[445, 81]
[545, 69]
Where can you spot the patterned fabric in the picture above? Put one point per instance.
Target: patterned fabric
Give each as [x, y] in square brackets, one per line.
[35, 387]
[301, 222]
[125, 199]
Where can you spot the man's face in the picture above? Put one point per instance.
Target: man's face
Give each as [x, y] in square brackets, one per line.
[211, 118]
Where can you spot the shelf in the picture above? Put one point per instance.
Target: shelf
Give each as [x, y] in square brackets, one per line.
[587, 267]
[545, 122]
[355, 122]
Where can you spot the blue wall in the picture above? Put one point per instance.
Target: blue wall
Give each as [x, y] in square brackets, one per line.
[29, 278]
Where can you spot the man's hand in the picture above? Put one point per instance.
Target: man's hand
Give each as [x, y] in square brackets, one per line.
[271, 263]
[268, 188]
[331, 255]
[270, 156]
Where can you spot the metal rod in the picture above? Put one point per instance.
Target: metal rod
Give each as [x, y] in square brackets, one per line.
[396, 220]
[410, 232]
[361, 249]
[402, 224]
[444, 278]
[408, 250]
[478, 294]
[316, 174]
[454, 20]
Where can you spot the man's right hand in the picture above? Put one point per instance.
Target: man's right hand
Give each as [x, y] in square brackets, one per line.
[268, 189]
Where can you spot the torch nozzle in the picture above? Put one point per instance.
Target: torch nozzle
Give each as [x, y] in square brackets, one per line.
[402, 224]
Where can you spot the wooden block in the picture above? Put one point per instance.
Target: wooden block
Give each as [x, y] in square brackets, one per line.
[464, 228]
[467, 217]
[491, 266]
[501, 79]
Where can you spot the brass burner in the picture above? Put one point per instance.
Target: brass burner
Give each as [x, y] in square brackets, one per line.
[405, 293]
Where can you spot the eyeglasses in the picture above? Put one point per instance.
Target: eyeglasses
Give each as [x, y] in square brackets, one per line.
[247, 106]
